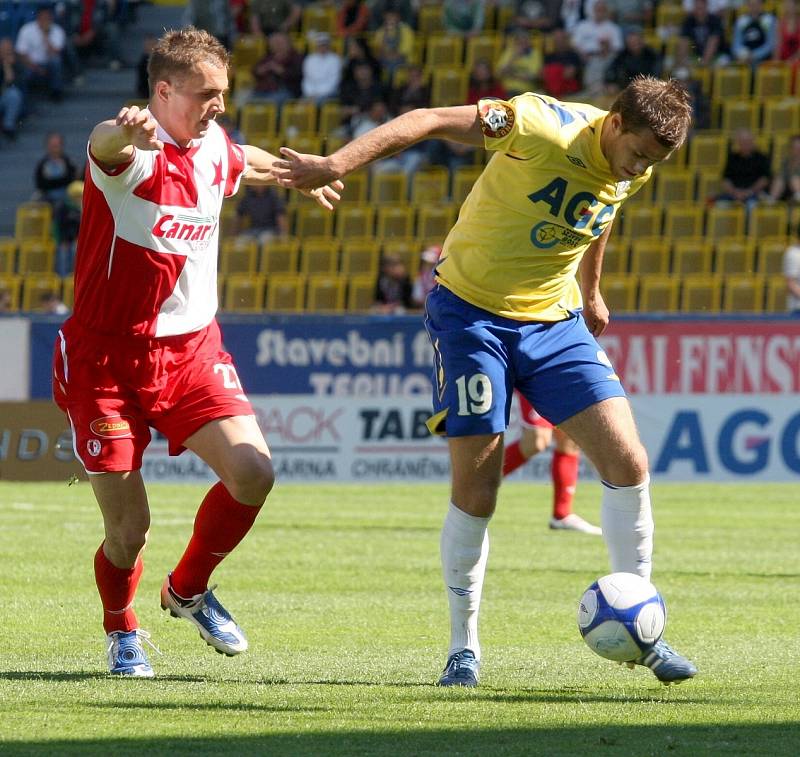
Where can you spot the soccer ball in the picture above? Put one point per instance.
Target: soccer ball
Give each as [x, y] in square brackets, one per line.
[621, 615]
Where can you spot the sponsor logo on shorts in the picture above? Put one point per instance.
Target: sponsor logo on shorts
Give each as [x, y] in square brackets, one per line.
[497, 118]
[112, 426]
[93, 447]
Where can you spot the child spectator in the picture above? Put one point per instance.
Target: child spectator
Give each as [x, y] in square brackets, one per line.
[393, 287]
[425, 280]
[55, 171]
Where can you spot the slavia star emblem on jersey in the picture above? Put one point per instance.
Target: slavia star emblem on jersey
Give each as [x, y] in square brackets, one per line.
[217, 176]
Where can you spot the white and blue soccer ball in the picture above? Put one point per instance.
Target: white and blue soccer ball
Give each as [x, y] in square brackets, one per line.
[621, 616]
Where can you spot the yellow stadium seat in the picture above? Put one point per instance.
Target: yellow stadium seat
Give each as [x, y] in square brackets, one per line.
[620, 292]
[361, 293]
[247, 50]
[735, 256]
[683, 221]
[502, 17]
[674, 185]
[36, 256]
[731, 81]
[485, 47]
[640, 222]
[286, 292]
[449, 86]
[238, 255]
[739, 114]
[389, 188]
[434, 222]
[429, 20]
[229, 223]
[649, 255]
[443, 50]
[243, 81]
[408, 250]
[33, 221]
[771, 251]
[298, 116]
[615, 257]
[709, 185]
[430, 186]
[319, 255]
[669, 16]
[776, 294]
[326, 293]
[313, 221]
[355, 187]
[701, 293]
[659, 293]
[643, 197]
[36, 285]
[8, 255]
[464, 177]
[773, 79]
[12, 283]
[676, 159]
[355, 221]
[725, 221]
[258, 118]
[768, 221]
[68, 291]
[319, 18]
[743, 293]
[307, 143]
[702, 75]
[708, 152]
[280, 256]
[244, 293]
[360, 257]
[331, 117]
[692, 255]
[395, 221]
[782, 115]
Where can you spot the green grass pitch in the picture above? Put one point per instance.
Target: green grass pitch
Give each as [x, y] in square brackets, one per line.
[339, 591]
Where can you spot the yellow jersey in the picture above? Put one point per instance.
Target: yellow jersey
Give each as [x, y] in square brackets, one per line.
[546, 194]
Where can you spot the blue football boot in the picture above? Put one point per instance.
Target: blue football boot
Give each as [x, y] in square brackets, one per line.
[667, 665]
[126, 655]
[461, 670]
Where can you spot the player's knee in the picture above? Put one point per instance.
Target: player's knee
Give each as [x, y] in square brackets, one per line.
[251, 480]
[628, 468]
[126, 543]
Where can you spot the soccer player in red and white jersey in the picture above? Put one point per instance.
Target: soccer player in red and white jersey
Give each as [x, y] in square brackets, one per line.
[537, 433]
[143, 348]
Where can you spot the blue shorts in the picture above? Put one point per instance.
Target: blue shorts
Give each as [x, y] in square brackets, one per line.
[480, 358]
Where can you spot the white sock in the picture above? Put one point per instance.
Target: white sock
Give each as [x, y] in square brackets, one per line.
[627, 522]
[464, 549]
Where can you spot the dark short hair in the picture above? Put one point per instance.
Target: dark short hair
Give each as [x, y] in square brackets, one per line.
[177, 53]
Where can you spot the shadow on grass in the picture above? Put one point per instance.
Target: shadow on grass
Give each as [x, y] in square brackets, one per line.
[58, 676]
[207, 706]
[614, 741]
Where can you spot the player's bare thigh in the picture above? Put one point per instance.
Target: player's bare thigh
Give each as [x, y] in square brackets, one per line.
[607, 433]
[237, 452]
[477, 468]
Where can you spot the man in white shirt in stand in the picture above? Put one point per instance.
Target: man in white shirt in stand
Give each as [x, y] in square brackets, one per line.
[40, 44]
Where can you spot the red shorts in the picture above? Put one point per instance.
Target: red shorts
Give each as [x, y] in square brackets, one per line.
[114, 388]
[529, 417]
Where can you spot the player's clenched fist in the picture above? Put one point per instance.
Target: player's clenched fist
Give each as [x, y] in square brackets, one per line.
[141, 128]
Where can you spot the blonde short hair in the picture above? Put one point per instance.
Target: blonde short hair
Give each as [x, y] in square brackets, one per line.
[178, 53]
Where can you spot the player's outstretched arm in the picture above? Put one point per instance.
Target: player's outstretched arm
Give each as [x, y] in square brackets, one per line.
[595, 312]
[113, 142]
[261, 170]
[459, 124]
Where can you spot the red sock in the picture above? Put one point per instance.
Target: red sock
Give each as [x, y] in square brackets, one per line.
[513, 458]
[221, 523]
[117, 587]
[564, 470]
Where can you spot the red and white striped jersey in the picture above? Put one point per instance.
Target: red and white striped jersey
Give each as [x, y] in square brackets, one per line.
[148, 243]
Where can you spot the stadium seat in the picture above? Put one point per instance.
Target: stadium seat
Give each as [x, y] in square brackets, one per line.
[676, 159]
[643, 197]
[449, 86]
[640, 222]
[360, 257]
[464, 177]
[8, 255]
[708, 152]
[620, 292]
[36, 256]
[279, 256]
[244, 293]
[408, 250]
[615, 257]
[326, 293]
[429, 20]
[36, 285]
[683, 221]
[434, 222]
[33, 221]
[298, 116]
[360, 293]
[354, 221]
[238, 255]
[701, 293]
[776, 294]
[313, 221]
[724, 222]
[669, 16]
[395, 221]
[731, 81]
[692, 255]
[443, 51]
[768, 221]
[737, 113]
[430, 186]
[307, 143]
[659, 294]
[770, 255]
[319, 255]
[743, 294]
[12, 283]
[781, 115]
[674, 185]
[773, 79]
[331, 117]
[709, 185]
[355, 187]
[485, 46]
[286, 292]
[735, 256]
[319, 18]
[389, 188]
[247, 50]
[649, 255]
[258, 118]
[243, 81]
[229, 223]
[68, 291]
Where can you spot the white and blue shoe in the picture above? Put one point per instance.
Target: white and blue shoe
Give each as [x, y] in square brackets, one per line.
[461, 670]
[215, 624]
[126, 656]
[667, 665]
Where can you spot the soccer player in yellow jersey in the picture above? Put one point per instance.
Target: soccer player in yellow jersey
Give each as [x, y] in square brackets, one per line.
[512, 309]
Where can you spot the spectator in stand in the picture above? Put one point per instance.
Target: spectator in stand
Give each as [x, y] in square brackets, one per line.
[96, 35]
[55, 171]
[277, 76]
[747, 172]
[261, 213]
[404, 8]
[463, 17]
[520, 65]
[637, 59]
[51, 304]
[574, 11]
[142, 83]
[425, 280]
[536, 15]
[791, 270]
[352, 19]
[5, 301]
[483, 84]
[12, 101]
[40, 44]
[754, 35]
[562, 73]
[322, 70]
[414, 93]
[68, 221]
[705, 34]
[597, 42]
[393, 41]
[393, 287]
[359, 95]
[270, 16]
[213, 16]
[786, 185]
[358, 51]
[787, 47]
